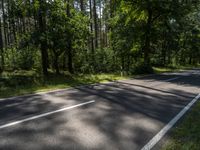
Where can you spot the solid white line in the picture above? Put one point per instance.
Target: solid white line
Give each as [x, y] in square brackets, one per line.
[172, 79]
[45, 114]
[160, 134]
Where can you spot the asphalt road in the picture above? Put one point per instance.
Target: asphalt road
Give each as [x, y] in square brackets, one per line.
[122, 115]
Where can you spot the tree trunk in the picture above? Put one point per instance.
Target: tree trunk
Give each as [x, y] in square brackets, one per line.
[95, 23]
[147, 42]
[100, 25]
[91, 30]
[43, 41]
[82, 5]
[56, 66]
[70, 64]
[70, 60]
[4, 25]
[1, 48]
[164, 49]
[64, 61]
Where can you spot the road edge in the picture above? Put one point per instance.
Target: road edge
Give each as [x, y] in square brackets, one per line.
[167, 127]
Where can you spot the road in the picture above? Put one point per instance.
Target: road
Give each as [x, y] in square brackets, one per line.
[122, 115]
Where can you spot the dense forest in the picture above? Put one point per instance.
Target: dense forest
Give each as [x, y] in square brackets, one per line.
[98, 36]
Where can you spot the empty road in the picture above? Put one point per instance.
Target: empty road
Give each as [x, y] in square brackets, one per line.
[122, 115]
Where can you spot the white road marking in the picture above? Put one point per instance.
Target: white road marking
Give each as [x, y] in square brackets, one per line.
[43, 115]
[172, 79]
[164, 130]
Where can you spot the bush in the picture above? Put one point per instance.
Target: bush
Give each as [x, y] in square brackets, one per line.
[142, 69]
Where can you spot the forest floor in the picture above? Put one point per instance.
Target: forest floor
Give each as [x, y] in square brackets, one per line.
[29, 82]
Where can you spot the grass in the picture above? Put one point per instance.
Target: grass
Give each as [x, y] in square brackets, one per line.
[165, 69]
[186, 136]
[27, 82]
[171, 68]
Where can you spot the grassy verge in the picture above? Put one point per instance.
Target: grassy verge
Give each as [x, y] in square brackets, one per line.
[27, 82]
[186, 136]
[171, 69]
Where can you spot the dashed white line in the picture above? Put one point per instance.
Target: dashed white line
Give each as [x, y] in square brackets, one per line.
[164, 130]
[43, 115]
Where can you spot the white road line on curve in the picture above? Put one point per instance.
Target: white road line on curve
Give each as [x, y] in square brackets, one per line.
[43, 115]
[172, 79]
[164, 130]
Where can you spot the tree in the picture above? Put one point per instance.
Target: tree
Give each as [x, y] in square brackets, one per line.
[43, 40]
[1, 48]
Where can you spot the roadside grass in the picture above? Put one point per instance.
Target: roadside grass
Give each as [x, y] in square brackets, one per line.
[165, 69]
[28, 82]
[186, 136]
[172, 68]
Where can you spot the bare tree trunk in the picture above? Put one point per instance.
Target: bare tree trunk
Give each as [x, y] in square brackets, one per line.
[1, 48]
[70, 60]
[100, 25]
[55, 61]
[95, 23]
[147, 41]
[91, 30]
[43, 41]
[4, 25]
[82, 5]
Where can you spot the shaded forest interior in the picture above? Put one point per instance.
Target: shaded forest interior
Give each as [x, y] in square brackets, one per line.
[98, 36]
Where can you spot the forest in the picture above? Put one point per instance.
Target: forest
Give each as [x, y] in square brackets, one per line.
[97, 36]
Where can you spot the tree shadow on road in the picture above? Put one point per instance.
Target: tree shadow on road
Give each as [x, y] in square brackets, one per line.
[124, 116]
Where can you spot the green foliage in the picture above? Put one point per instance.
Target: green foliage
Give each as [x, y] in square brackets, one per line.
[24, 58]
[127, 36]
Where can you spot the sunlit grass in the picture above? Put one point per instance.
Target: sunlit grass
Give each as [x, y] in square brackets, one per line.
[165, 69]
[173, 68]
[26, 82]
[23, 82]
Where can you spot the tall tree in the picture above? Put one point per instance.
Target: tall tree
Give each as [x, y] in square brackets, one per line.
[4, 23]
[1, 48]
[69, 42]
[91, 30]
[95, 23]
[42, 30]
[82, 5]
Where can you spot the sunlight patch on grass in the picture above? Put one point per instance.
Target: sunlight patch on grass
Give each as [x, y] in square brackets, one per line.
[20, 83]
[166, 69]
[26, 82]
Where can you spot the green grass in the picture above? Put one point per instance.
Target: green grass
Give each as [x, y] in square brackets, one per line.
[171, 68]
[27, 82]
[186, 136]
[165, 69]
